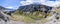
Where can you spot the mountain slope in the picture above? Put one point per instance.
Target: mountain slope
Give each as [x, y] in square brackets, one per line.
[34, 10]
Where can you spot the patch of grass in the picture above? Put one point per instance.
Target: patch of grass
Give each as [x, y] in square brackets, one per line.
[44, 20]
[57, 10]
[49, 14]
[34, 15]
[28, 19]
[25, 19]
[17, 17]
[31, 17]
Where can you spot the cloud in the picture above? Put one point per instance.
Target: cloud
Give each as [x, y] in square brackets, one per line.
[27, 2]
[51, 3]
[9, 7]
[12, 7]
[44, 2]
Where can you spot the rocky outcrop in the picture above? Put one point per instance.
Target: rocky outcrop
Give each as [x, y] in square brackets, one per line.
[3, 15]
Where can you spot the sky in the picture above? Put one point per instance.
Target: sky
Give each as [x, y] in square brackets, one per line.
[11, 4]
[52, 3]
[14, 4]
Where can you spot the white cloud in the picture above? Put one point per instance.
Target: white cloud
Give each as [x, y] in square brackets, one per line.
[9, 7]
[51, 3]
[44, 2]
[27, 2]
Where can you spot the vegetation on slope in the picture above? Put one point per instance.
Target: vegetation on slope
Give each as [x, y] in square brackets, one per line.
[31, 13]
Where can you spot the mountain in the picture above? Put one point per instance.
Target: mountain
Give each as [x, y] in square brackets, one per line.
[7, 11]
[34, 7]
[1, 7]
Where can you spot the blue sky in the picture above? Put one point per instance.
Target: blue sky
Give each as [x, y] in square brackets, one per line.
[11, 4]
[52, 0]
[14, 4]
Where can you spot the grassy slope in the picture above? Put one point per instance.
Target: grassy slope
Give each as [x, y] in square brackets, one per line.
[28, 17]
